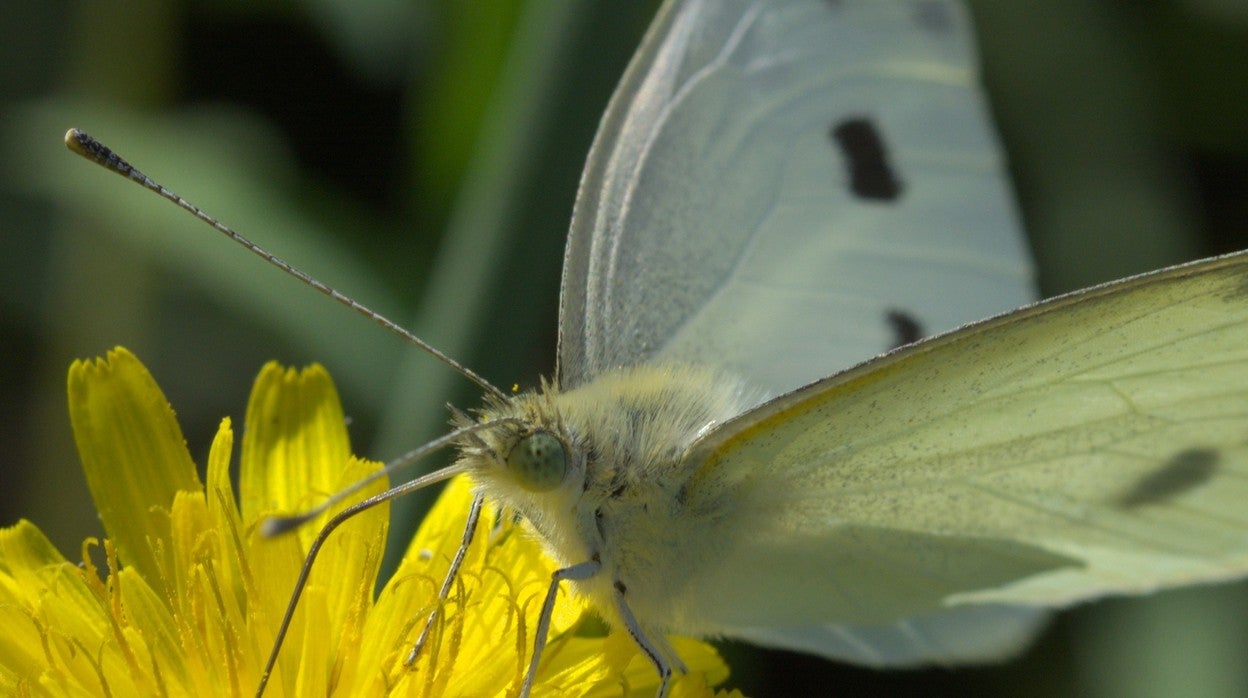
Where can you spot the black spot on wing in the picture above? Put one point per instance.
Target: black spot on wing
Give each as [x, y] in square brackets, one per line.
[933, 16]
[871, 176]
[906, 328]
[1184, 471]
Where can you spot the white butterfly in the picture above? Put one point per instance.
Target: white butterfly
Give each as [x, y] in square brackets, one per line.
[779, 190]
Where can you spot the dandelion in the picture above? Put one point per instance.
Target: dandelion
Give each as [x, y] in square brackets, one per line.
[189, 595]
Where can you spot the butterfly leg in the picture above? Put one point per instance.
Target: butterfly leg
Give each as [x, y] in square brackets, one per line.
[654, 645]
[577, 572]
[470, 529]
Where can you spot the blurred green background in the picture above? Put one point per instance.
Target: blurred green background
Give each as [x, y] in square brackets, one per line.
[423, 157]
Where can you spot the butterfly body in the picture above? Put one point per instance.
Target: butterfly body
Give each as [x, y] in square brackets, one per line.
[630, 498]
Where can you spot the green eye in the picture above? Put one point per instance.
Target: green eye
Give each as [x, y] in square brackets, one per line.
[538, 462]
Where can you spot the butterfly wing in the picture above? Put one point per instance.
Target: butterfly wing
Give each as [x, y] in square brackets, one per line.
[784, 189]
[1093, 444]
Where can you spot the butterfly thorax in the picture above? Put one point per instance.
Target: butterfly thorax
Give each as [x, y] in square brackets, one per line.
[622, 499]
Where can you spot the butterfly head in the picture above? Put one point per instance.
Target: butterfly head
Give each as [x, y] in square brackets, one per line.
[530, 455]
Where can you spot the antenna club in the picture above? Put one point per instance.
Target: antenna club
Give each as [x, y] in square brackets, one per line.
[81, 143]
[75, 140]
[274, 526]
[86, 146]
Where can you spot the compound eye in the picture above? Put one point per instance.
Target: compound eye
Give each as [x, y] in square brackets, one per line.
[538, 461]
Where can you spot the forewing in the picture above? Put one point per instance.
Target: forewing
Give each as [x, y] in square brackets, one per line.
[783, 189]
[1093, 444]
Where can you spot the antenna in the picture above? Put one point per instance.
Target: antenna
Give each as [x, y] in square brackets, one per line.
[97, 152]
[277, 525]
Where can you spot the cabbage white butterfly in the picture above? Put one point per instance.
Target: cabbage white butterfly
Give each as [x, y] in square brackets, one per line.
[695, 471]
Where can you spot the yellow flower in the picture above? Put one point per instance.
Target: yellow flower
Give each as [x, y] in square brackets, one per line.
[191, 595]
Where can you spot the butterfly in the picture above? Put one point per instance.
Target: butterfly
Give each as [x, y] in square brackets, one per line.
[780, 189]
